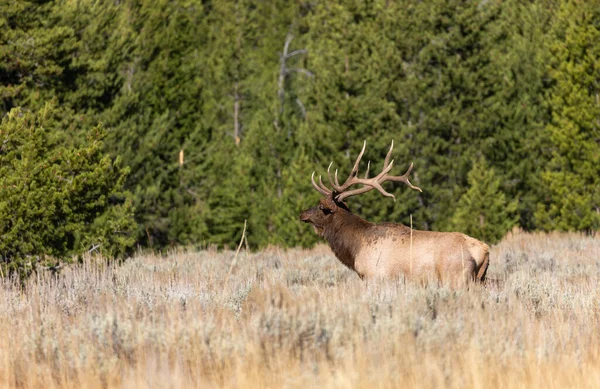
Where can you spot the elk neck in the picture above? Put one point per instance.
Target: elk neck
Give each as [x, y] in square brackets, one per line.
[345, 234]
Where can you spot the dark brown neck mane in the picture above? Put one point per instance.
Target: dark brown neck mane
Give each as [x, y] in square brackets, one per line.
[345, 234]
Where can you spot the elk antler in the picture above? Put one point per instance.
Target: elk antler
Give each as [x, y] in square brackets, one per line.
[341, 192]
[322, 188]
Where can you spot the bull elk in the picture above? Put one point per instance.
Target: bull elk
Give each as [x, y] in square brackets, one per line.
[390, 250]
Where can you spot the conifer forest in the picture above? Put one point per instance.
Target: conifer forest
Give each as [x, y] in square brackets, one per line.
[159, 124]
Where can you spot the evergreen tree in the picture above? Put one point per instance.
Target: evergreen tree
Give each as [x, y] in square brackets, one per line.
[443, 99]
[518, 58]
[297, 196]
[35, 52]
[483, 211]
[572, 178]
[56, 200]
[272, 119]
[415, 72]
[230, 201]
[156, 112]
[234, 75]
[104, 63]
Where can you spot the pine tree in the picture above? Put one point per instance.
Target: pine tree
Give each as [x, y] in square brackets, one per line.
[572, 178]
[224, 176]
[271, 118]
[35, 52]
[483, 212]
[222, 109]
[57, 200]
[443, 99]
[104, 63]
[157, 111]
[230, 200]
[518, 58]
[297, 196]
[415, 72]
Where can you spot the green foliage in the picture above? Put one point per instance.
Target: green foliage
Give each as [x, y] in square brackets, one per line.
[516, 110]
[57, 201]
[155, 109]
[483, 211]
[257, 95]
[293, 201]
[35, 49]
[572, 177]
[445, 99]
[230, 201]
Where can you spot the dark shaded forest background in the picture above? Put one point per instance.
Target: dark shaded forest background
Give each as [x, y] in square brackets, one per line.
[169, 122]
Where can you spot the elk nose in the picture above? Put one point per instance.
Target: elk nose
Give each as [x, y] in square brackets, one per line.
[304, 217]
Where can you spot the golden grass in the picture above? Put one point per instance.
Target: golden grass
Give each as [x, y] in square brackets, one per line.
[300, 319]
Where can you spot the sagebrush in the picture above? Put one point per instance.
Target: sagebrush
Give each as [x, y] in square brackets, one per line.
[299, 319]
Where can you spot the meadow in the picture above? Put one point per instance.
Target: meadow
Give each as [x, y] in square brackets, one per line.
[298, 318]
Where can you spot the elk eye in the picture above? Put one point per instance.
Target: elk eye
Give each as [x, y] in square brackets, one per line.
[326, 211]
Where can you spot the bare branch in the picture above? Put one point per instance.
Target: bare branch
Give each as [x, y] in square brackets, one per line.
[94, 248]
[237, 252]
[300, 70]
[296, 52]
[302, 108]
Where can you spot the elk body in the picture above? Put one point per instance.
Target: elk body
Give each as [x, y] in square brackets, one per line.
[390, 250]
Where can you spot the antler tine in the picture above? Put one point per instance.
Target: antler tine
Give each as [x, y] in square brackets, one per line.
[329, 191]
[353, 173]
[323, 190]
[335, 184]
[404, 178]
[366, 188]
[368, 167]
[336, 178]
[386, 170]
[355, 168]
[389, 154]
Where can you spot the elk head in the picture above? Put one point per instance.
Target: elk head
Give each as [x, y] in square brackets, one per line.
[321, 215]
[332, 204]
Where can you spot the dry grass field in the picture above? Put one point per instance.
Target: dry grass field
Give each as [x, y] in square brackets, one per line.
[300, 319]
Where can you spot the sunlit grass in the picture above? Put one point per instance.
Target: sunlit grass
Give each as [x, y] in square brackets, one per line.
[300, 319]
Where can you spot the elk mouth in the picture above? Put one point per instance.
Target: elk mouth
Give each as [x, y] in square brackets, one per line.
[318, 229]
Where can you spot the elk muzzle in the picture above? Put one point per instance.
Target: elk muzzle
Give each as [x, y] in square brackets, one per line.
[305, 217]
[313, 216]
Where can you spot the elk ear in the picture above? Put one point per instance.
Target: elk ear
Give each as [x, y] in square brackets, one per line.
[329, 204]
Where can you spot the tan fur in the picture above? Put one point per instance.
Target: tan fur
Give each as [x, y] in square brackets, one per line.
[384, 250]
